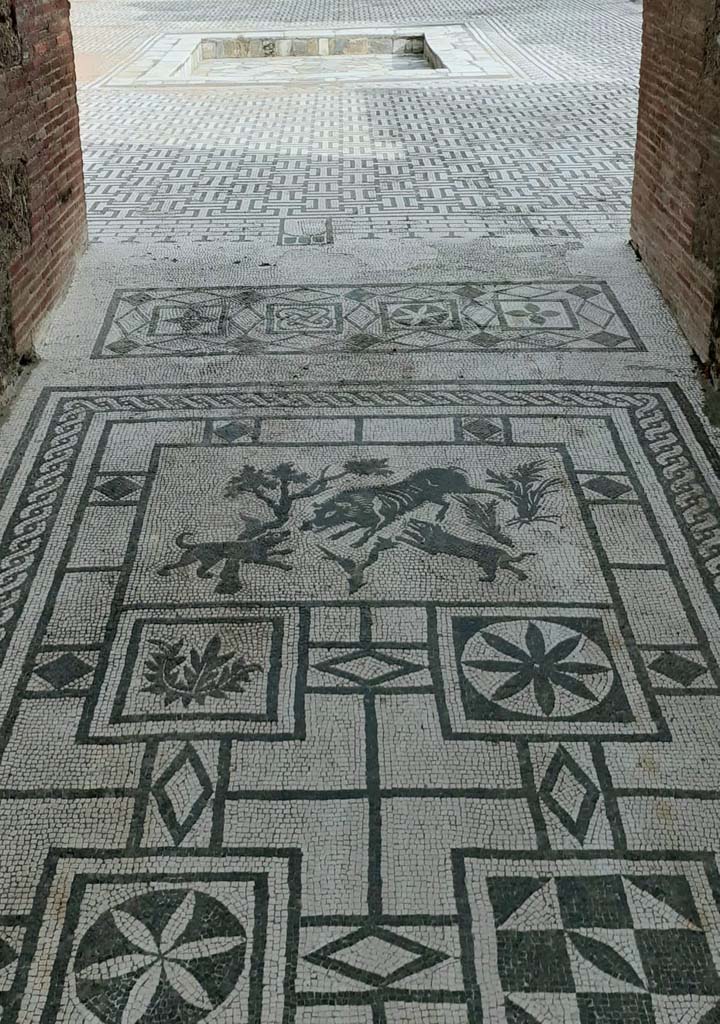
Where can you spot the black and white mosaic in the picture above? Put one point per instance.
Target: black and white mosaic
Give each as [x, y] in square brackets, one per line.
[343, 703]
[579, 315]
[309, 169]
[389, 702]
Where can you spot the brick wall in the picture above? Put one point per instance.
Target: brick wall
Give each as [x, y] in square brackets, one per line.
[676, 195]
[42, 203]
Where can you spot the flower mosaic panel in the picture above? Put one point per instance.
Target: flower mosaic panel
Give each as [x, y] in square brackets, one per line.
[465, 317]
[374, 702]
[165, 939]
[539, 674]
[228, 672]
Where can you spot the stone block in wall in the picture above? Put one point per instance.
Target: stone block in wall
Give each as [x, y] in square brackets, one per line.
[10, 48]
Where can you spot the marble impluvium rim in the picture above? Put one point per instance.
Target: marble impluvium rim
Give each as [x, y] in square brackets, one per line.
[385, 53]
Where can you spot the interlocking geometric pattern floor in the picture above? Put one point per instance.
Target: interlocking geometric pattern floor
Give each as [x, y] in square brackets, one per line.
[421, 163]
[466, 317]
[417, 162]
[378, 683]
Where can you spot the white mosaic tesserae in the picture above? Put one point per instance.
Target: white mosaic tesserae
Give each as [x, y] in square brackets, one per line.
[359, 565]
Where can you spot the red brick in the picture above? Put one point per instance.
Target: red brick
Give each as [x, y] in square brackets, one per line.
[676, 194]
[39, 124]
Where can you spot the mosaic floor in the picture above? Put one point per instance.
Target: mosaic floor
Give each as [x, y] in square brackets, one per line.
[359, 572]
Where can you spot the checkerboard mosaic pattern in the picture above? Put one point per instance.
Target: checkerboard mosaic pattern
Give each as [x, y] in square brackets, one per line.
[328, 740]
[593, 942]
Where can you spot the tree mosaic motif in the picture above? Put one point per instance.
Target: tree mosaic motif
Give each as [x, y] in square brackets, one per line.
[527, 489]
[169, 955]
[195, 677]
[371, 516]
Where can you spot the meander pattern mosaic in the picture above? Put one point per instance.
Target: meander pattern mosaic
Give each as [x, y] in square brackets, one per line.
[414, 162]
[417, 163]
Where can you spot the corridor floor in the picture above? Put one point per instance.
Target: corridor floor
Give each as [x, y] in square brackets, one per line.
[360, 547]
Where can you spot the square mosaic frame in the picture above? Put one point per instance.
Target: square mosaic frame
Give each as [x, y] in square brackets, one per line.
[590, 939]
[593, 488]
[99, 895]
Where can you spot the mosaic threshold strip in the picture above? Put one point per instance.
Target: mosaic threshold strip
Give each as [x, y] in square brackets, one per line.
[581, 315]
[372, 704]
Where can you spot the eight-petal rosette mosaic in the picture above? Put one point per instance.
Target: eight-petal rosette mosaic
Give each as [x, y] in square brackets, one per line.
[539, 669]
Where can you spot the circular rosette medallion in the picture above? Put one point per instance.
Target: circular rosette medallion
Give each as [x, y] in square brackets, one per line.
[169, 955]
[538, 669]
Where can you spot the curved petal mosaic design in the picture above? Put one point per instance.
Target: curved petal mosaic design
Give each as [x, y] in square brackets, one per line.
[171, 955]
[541, 668]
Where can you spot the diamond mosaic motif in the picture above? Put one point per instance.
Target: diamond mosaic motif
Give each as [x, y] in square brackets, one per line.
[368, 667]
[584, 291]
[607, 487]
[233, 430]
[64, 670]
[182, 792]
[569, 793]
[483, 430]
[117, 487]
[607, 340]
[376, 956]
[677, 667]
